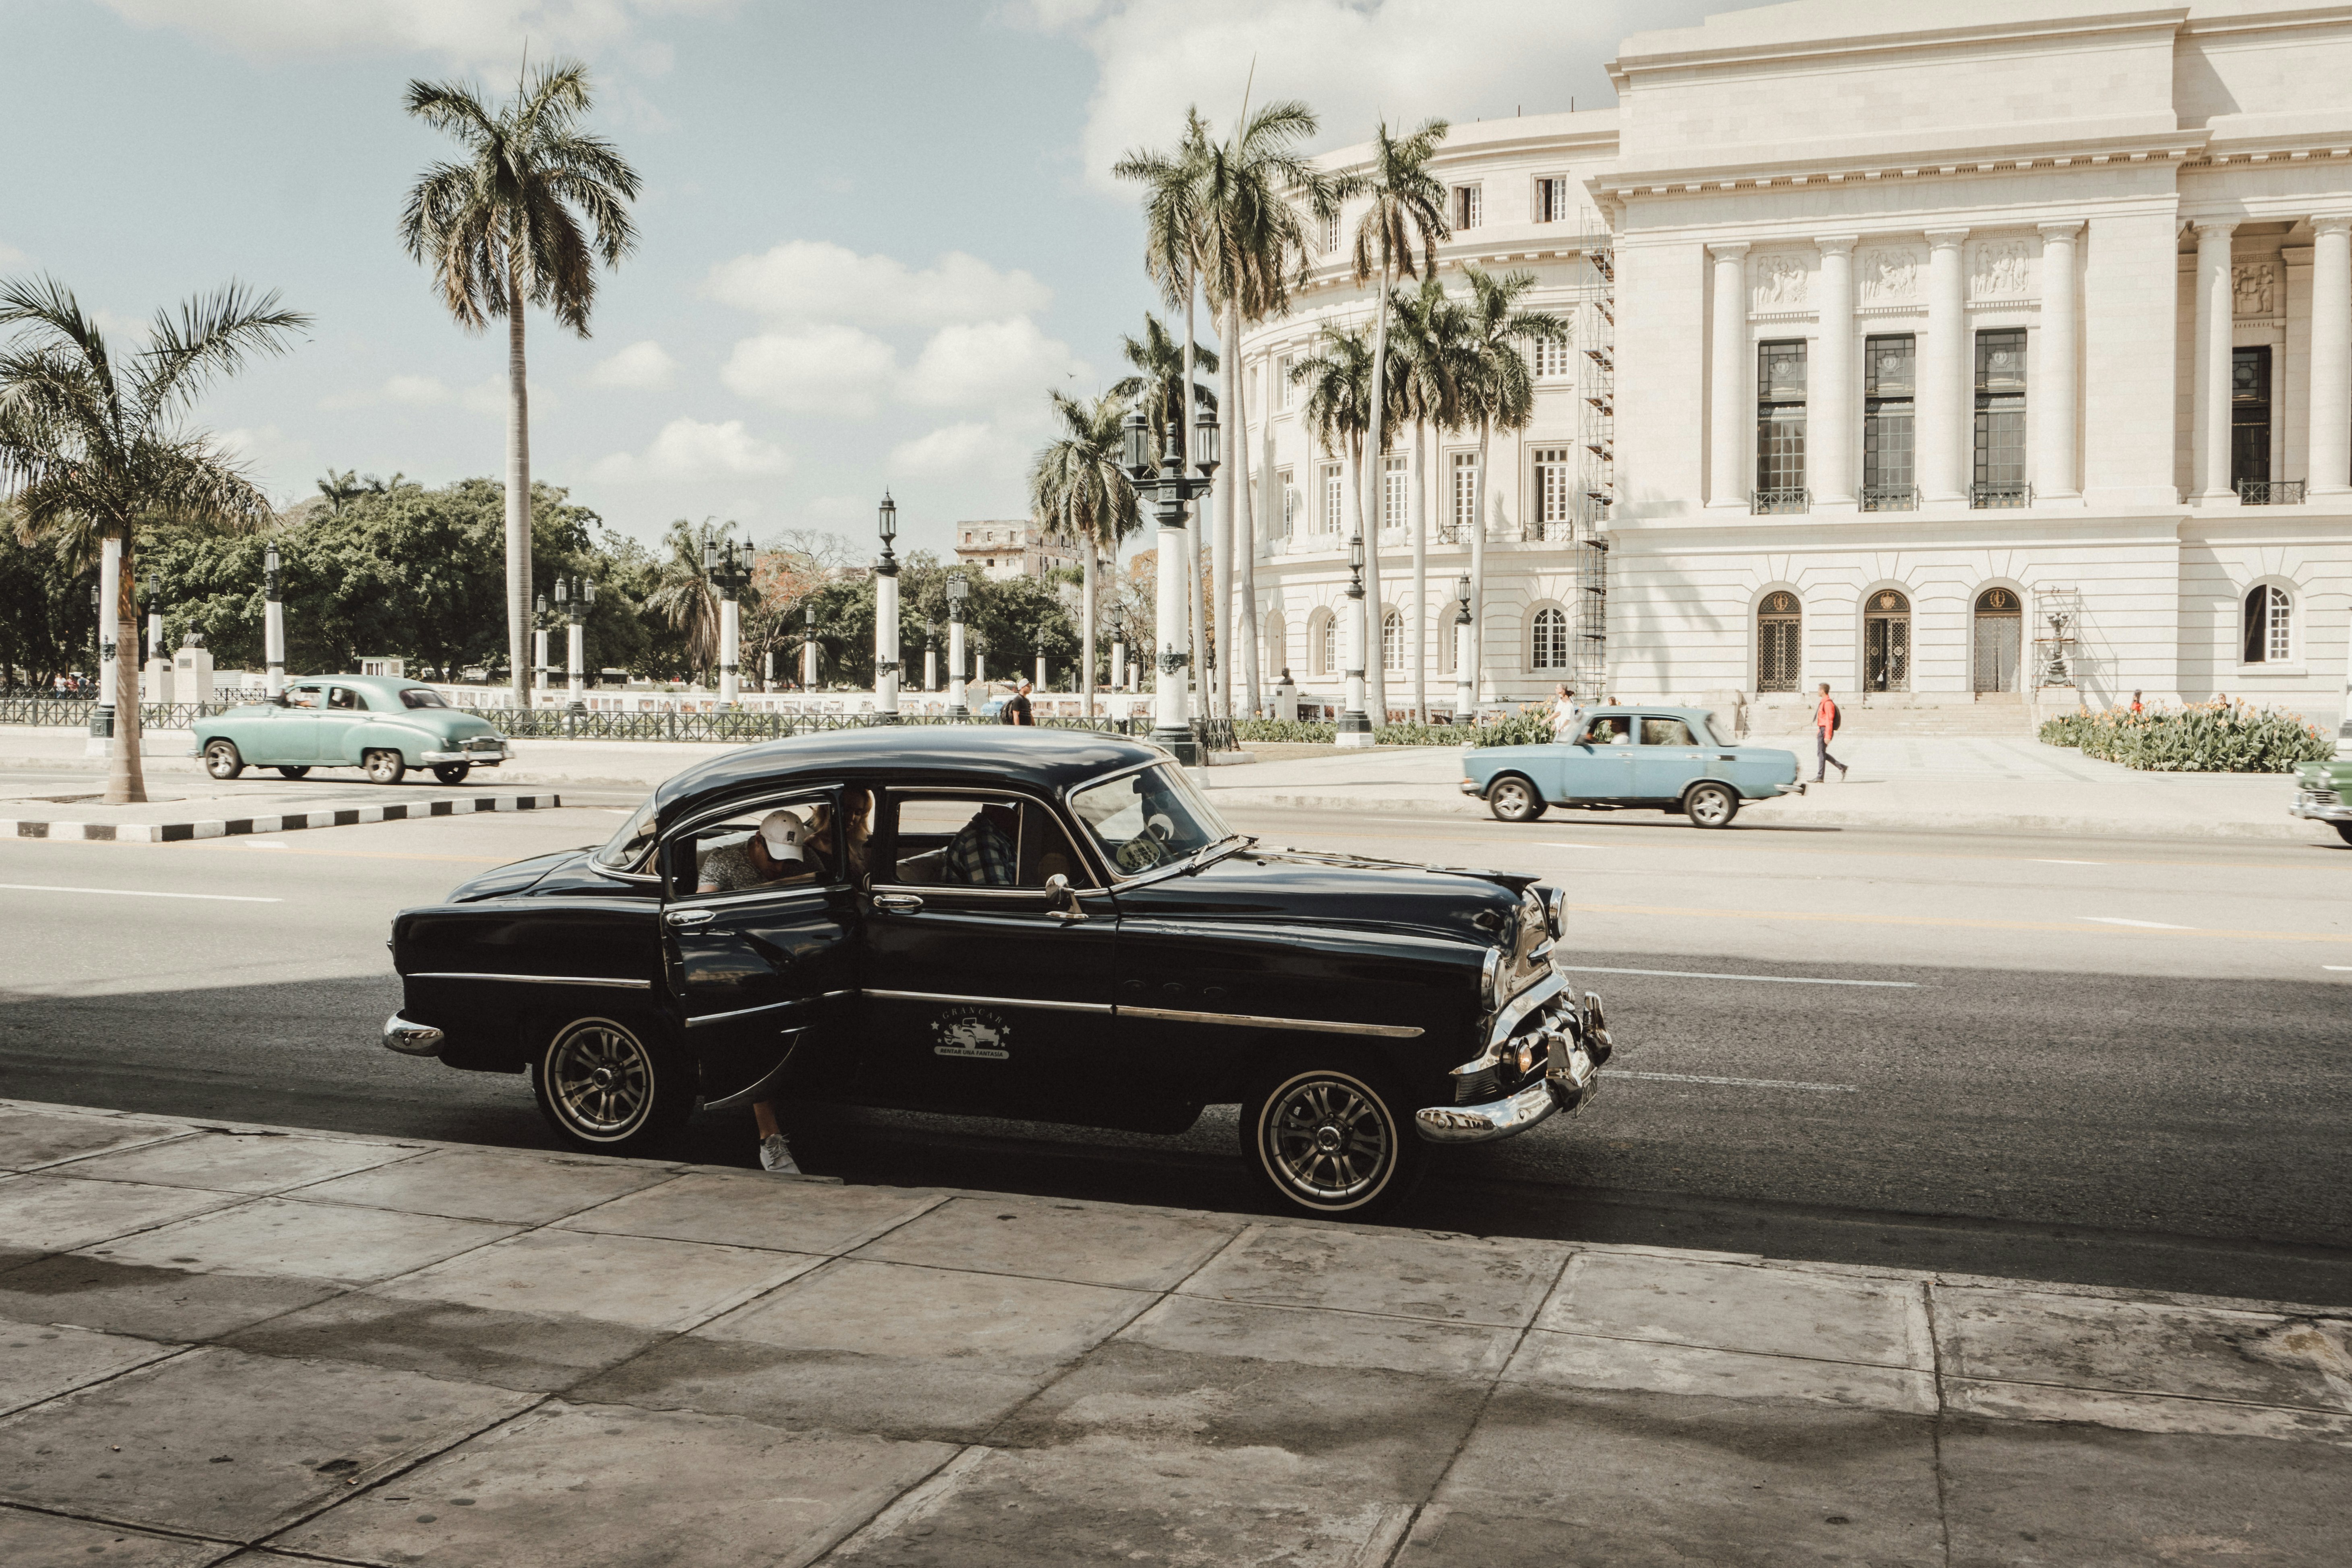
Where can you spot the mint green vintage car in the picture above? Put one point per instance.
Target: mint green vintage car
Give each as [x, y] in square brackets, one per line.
[376, 723]
[2323, 792]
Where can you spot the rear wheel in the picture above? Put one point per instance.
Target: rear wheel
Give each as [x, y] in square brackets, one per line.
[2342, 830]
[383, 767]
[221, 760]
[1514, 799]
[294, 773]
[1711, 805]
[452, 773]
[1338, 1142]
[608, 1086]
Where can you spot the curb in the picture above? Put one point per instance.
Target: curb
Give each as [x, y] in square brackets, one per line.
[291, 821]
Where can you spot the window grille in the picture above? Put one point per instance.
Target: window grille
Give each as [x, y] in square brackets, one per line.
[1889, 424]
[1392, 493]
[1391, 640]
[1464, 519]
[1779, 419]
[1548, 645]
[1555, 488]
[1331, 509]
[1550, 359]
[2000, 478]
[1468, 201]
[2269, 625]
[1780, 639]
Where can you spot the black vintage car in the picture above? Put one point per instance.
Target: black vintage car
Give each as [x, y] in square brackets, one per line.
[1051, 925]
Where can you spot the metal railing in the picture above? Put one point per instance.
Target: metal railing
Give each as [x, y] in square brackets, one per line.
[2271, 492]
[1785, 499]
[1987, 496]
[74, 711]
[1890, 498]
[1214, 735]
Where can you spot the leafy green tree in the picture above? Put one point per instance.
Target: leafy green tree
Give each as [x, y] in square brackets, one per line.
[95, 447]
[1337, 380]
[1435, 359]
[47, 624]
[1077, 488]
[504, 229]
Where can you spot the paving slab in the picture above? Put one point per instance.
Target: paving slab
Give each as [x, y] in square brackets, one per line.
[232, 1445]
[57, 1214]
[636, 1281]
[279, 1238]
[488, 1184]
[736, 1209]
[172, 1304]
[255, 1163]
[1316, 1338]
[1091, 1244]
[32, 1539]
[1733, 1307]
[1400, 1273]
[575, 1485]
[523, 1351]
[1584, 1360]
[40, 1362]
[32, 1139]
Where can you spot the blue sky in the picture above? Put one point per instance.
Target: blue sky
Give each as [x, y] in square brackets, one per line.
[872, 234]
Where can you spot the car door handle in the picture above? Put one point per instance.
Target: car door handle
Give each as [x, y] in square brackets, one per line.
[689, 917]
[898, 903]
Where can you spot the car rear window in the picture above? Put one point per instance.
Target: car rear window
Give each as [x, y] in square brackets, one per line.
[420, 697]
[1658, 732]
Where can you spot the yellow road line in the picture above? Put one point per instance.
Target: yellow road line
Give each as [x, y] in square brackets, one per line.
[2084, 929]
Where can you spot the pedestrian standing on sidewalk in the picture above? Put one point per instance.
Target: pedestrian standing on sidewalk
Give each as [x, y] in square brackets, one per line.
[1016, 709]
[1567, 716]
[1826, 719]
[2135, 707]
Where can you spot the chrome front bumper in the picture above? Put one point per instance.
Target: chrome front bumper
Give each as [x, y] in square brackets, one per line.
[479, 758]
[411, 1039]
[2322, 805]
[1472, 786]
[1575, 1043]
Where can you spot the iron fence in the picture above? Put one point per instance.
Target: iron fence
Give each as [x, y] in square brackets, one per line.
[1771, 501]
[1987, 495]
[63, 712]
[2271, 492]
[1890, 498]
[1214, 735]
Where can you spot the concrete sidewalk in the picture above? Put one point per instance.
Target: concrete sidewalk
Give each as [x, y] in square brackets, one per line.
[254, 1346]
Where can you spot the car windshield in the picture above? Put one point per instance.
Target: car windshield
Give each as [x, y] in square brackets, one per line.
[420, 697]
[1149, 817]
[626, 851]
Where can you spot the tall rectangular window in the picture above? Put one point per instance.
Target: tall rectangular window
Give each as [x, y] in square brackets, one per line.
[1462, 520]
[1286, 395]
[2001, 420]
[1551, 200]
[1781, 426]
[1549, 358]
[1555, 478]
[1888, 416]
[1288, 491]
[1331, 233]
[1332, 516]
[1393, 494]
[1468, 202]
[2250, 417]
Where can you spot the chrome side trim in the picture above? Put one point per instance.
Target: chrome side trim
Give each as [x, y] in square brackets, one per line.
[1041, 1006]
[533, 979]
[747, 1012]
[1261, 1021]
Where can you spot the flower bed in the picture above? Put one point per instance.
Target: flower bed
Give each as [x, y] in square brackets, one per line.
[1527, 727]
[2203, 738]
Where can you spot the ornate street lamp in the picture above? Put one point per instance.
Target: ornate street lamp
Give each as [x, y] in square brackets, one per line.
[1465, 700]
[959, 596]
[1355, 728]
[885, 619]
[539, 623]
[579, 594]
[273, 627]
[1171, 488]
[728, 571]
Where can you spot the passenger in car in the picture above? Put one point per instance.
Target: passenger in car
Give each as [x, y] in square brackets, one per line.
[856, 839]
[985, 854]
[773, 854]
[1618, 731]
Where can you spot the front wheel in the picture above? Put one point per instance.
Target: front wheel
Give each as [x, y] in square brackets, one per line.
[383, 767]
[452, 773]
[1711, 805]
[1334, 1142]
[2342, 830]
[1515, 800]
[221, 760]
[606, 1086]
[295, 772]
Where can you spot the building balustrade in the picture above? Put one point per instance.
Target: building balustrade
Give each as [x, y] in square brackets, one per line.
[1989, 496]
[1775, 500]
[1890, 498]
[2271, 492]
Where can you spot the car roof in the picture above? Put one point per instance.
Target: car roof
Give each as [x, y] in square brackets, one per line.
[370, 682]
[1042, 761]
[1635, 709]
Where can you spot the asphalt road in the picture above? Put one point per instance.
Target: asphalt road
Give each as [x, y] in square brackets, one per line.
[2105, 1060]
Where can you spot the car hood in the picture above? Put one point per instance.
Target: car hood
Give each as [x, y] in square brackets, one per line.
[1290, 887]
[508, 880]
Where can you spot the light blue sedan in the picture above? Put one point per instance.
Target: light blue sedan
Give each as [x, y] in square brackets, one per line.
[378, 724]
[1668, 758]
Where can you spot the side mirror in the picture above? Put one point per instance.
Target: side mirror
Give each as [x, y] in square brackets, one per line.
[1062, 900]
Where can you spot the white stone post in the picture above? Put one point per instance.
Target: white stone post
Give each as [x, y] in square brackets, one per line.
[1357, 614]
[931, 668]
[1731, 416]
[1465, 702]
[2057, 398]
[885, 641]
[731, 647]
[957, 707]
[575, 649]
[159, 659]
[1944, 386]
[1834, 418]
[1041, 672]
[539, 654]
[1117, 665]
[1173, 604]
[2331, 356]
[808, 665]
[2216, 315]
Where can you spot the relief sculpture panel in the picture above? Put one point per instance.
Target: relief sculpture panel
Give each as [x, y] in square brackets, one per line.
[1889, 275]
[2254, 288]
[2000, 272]
[1779, 282]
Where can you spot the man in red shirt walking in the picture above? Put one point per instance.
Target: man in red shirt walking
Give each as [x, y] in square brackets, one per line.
[1826, 718]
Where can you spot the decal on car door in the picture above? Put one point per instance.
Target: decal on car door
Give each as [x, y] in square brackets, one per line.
[972, 1032]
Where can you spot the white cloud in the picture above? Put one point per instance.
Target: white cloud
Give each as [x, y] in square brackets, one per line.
[690, 450]
[988, 363]
[417, 391]
[833, 369]
[487, 395]
[468, 32]
[815, 280]
[951, 452]
[640, 367]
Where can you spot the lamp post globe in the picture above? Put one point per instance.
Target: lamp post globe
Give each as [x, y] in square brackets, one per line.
[886, 618]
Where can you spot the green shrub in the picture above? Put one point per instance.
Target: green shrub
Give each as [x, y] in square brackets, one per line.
[1531, 726]
[2203, 738]
[1295, 732]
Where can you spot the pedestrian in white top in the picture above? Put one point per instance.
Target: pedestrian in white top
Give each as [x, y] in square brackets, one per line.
[1567, 716]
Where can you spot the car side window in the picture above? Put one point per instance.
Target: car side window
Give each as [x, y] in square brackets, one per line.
[343, 697]
[301, 697]
[785, 843]
[982, 841]
[1613, 731]
[1656, 731]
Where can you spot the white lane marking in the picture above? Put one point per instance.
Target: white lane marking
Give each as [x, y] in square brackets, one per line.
[1555, 844]
[1736, 1082]
[2040, 862]
[138, 893]
[2119, 921]
[2339, 968]
[1774, 979]
[264, 843]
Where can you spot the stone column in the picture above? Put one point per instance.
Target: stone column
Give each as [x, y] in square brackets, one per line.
[2056, 400]
[1943, 371]
[1834, 417]
[2208, 431]
[1731, 411]
[2331, 354]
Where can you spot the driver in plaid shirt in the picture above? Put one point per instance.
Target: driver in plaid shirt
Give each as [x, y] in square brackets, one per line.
[984, 854]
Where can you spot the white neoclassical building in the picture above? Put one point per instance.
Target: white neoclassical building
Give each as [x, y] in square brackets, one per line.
[1962, 357]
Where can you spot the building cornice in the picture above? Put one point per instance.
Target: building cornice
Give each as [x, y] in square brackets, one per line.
[1634, 182]
[1794, 51]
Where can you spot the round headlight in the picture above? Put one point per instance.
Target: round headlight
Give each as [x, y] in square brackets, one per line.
[1555, 911]
[1528, 1055]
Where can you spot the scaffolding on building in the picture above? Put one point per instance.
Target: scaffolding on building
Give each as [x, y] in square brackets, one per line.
[1596, 334]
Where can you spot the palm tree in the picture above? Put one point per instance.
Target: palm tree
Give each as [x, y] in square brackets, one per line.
[1251, 189]
[1338, 377]
[1159, 379]
[1434, 361]
[94, 448]
[1077, 478]
[1498, 393]
[504, 229]
[1408, 213]
[682, 592]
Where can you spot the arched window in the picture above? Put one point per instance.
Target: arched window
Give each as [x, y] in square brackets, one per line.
[1328, 646]
[1391, 640]
[1550, 646]
[2269, 625]
[1780, 642]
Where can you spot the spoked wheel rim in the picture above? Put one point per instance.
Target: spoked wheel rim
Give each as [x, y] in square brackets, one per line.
[600, 1081]
[1710, 808]
[1328, 1141]
[1513, 800]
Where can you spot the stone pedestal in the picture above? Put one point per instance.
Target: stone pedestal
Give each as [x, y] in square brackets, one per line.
[191, 675]
[155, 681]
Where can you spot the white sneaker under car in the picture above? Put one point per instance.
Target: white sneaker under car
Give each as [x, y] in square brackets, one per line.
[776, 1155]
